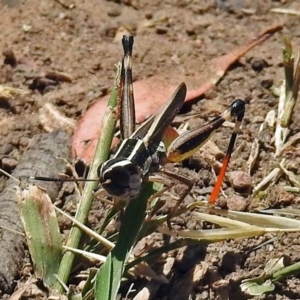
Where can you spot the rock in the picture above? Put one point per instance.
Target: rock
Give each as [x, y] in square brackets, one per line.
[6, 149]
[241, 182]
[237, 203]
[9, 164]
[161, 29]
[114, 11]
[258, 64]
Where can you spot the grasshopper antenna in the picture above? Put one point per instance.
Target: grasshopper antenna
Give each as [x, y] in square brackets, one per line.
[127, 117]
[52, 179]
[237, 111]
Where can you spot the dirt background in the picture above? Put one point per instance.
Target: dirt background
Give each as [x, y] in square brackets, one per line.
[176, 39]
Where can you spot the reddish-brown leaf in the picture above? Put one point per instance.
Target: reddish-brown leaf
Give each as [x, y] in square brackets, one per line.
[151, 93]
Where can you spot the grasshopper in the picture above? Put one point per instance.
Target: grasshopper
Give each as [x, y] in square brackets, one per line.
[142, 152]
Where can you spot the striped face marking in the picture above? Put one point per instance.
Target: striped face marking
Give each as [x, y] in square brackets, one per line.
[122, 175]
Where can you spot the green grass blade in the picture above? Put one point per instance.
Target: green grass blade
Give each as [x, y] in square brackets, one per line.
[105, 284]
[109, 276]
[293, 269]
[274, 271]
[101, 154]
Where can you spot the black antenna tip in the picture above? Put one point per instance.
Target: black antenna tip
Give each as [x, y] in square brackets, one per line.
[238, 109]
[127, 42]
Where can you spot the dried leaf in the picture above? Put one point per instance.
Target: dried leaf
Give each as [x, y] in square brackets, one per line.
[151, 93]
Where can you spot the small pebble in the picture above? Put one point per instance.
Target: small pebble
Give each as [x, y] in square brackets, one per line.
[61, 15]
[148, 15]
[161, 29]
[26, 70]
[9, 164]
[6, 149]
[258, 64]
[190, 30]
[286, 241]
[26, 28]
[114, 12]
[24, 141]
[258, 119]
[15, 140]
[9, 57]
[267, 83]
[237, 203]
[241, 182]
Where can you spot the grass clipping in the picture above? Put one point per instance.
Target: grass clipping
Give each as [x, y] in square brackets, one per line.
[236, 224]
[288, 95]
[42, 231]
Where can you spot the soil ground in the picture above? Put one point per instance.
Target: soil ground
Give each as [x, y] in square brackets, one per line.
[177, 39]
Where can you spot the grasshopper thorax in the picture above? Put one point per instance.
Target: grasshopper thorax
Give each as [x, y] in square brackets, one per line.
[120, 178]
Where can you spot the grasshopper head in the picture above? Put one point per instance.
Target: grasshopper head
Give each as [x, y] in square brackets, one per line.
[120, 178]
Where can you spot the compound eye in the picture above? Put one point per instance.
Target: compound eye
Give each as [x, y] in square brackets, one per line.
[116, 176]
[120, 179]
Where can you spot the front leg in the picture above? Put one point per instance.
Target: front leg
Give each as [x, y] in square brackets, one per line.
[168, 178]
